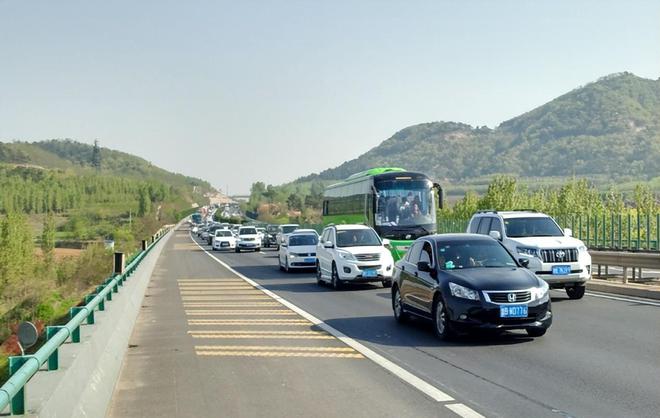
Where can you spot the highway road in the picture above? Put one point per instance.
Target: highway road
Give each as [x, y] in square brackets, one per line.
[601, 358]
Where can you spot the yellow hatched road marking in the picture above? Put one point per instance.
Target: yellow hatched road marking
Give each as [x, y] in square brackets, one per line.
[265, 337]
[220, 297]
[241, 312]
[248, 322]
[277, 354]
[229, 305]
[209, 280]
[217, 290]
[261, 332]
[273, 348]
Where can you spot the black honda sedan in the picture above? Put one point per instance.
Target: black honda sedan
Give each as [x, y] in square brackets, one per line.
[464, 282]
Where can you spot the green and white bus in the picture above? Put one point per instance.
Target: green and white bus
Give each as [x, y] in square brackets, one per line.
[400, 205]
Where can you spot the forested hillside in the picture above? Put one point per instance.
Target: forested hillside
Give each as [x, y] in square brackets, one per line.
[608, 131]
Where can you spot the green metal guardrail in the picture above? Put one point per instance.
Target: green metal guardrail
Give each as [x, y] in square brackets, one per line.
[619, 232]
[23, 368]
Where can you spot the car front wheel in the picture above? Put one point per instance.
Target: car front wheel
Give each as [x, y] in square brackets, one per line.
[441, 324]
[319, 278]
[336, 283]
[575, 292]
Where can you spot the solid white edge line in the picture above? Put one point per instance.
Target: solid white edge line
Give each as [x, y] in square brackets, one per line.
[463, 410]
[623, 299]
[396, 370]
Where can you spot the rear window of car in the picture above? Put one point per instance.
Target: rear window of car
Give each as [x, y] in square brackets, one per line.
[300, 240]
[247, 231]
[289, 229]
[223, 233]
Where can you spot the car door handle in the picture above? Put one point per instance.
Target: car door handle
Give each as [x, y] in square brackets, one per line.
[416, 274]
[403, 268]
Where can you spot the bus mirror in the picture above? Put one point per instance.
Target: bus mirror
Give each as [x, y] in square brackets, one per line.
[441, 195]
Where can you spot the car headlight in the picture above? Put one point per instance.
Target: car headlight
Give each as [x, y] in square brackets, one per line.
[463, 292]
[541, 291]
[346, 255]
[532, 252]
[292, 256]
[582, 248]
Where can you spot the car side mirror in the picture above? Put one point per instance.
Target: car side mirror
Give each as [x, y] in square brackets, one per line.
[424, 266]
[329, 244]
[386, 242]
[284, 245]
[524, 262]
[496, 235]
[568, 232]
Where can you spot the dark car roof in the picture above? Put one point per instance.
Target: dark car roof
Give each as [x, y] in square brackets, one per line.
[458, 237]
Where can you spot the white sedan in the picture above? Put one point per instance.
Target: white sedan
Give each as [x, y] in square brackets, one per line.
[223, 240]
[298, 250]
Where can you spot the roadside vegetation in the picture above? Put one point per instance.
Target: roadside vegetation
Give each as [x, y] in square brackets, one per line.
[65, 207]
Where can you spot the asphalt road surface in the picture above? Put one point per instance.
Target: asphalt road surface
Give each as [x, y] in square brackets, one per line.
[601, 357]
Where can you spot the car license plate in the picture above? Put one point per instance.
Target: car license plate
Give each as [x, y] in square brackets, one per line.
[513, 311]
[224, 244]
[561, 270]
[310, 260]
[370, 273]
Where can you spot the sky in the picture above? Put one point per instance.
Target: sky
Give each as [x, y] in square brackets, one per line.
[242, 91]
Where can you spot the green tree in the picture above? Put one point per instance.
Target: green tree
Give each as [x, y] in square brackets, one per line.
[644, 200]
[144, 202]
[48, 240]
[294, 202]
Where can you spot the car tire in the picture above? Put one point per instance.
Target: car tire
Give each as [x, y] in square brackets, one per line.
[286, 265]
[319, 278]
[441, 325]
[400, 315]
[575, 292]
[387, 284]
[238, 250]
[536, 332]
[336, 282]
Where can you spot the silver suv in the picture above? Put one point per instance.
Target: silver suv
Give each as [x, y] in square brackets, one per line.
[541, 245]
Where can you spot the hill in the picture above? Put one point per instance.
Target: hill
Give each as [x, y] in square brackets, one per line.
[77, 157]
[608, 131]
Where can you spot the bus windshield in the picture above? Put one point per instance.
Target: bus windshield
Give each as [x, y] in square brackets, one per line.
[404, 203]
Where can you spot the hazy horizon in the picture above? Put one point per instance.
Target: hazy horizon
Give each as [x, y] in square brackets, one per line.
[271, 91]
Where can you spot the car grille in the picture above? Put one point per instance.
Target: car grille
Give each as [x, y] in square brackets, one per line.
[248, 239]
[563, 255]
[503, 297]
[304, 254]
[369, 267]
[367, 257]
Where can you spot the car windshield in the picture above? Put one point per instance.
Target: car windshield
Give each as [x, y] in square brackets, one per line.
[466, 254]
[532, 227]
[289, 229]
[222, 233]
[405, 203]
[272, 229]
[247, 231]
[300, 240]
[357, 238]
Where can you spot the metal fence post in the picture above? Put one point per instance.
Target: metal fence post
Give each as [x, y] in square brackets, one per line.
[53, 359]
[75, 335]
[629, 231]
[18, 401]
[648, 232]
[639, 227]
[102, 302]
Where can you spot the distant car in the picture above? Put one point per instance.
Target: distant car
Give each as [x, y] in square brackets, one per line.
[262, 234]
[464, 282]
[234, 229]
[204, 234]
[194, 229]
[552, 253]
[248, 239]
[211, 231]
[283, 230]
[298, 250]
[352, 254]
[270, 238]
[223, 240]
